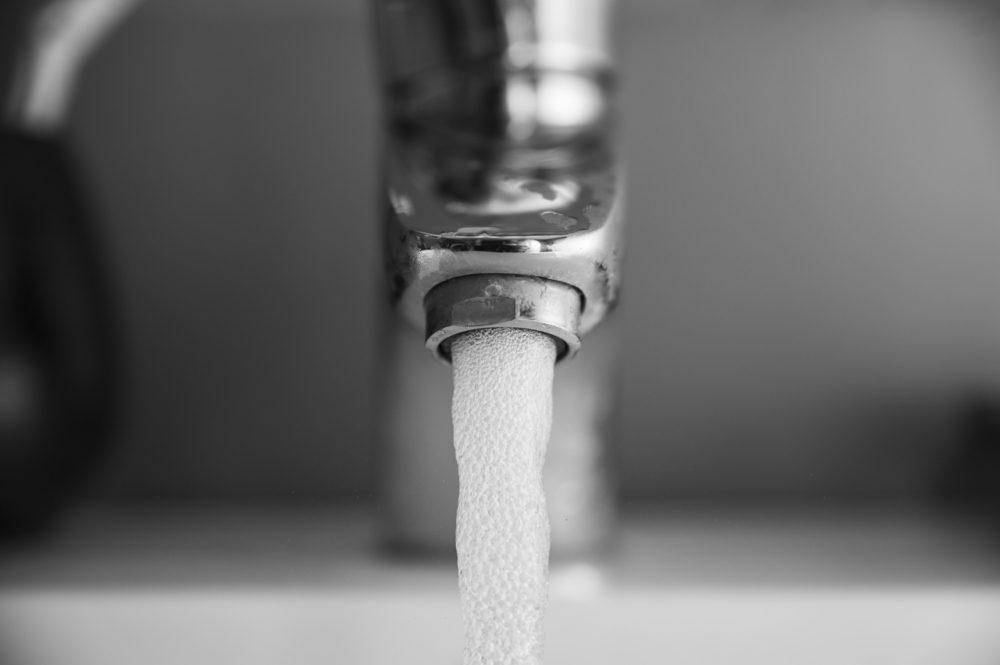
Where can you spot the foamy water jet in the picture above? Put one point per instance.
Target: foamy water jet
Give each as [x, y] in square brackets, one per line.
[502, 414]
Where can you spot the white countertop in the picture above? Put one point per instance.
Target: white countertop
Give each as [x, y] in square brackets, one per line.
[309, 585]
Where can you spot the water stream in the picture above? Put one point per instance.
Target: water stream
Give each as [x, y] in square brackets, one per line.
[502, 414]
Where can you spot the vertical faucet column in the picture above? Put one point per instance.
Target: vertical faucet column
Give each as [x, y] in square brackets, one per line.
[502, 199]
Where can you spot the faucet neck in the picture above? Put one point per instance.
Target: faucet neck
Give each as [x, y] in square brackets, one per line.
[499, 72]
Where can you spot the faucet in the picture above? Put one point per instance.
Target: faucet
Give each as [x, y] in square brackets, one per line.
[502, 199]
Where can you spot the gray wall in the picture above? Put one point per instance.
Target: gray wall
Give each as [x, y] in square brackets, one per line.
[813, 283]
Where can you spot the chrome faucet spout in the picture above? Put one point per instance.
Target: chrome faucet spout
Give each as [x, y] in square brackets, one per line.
[500, 154]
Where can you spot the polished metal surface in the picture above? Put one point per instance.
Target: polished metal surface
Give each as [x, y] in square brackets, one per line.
[44, 45]
[500, 155]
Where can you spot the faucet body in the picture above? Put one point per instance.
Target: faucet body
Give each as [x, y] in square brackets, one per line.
[502, 202]
[500, 159]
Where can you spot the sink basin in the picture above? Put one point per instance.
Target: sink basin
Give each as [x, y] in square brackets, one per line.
[295, 586]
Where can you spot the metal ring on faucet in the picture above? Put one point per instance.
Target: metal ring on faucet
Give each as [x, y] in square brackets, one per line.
[471, 302]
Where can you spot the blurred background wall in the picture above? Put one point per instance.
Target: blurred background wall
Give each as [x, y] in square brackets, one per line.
[813, 279]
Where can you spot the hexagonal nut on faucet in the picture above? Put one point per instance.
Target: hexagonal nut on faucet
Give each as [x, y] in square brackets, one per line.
[471, 302]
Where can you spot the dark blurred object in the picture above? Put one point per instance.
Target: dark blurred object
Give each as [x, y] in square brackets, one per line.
[972, 478]
[56, 364]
